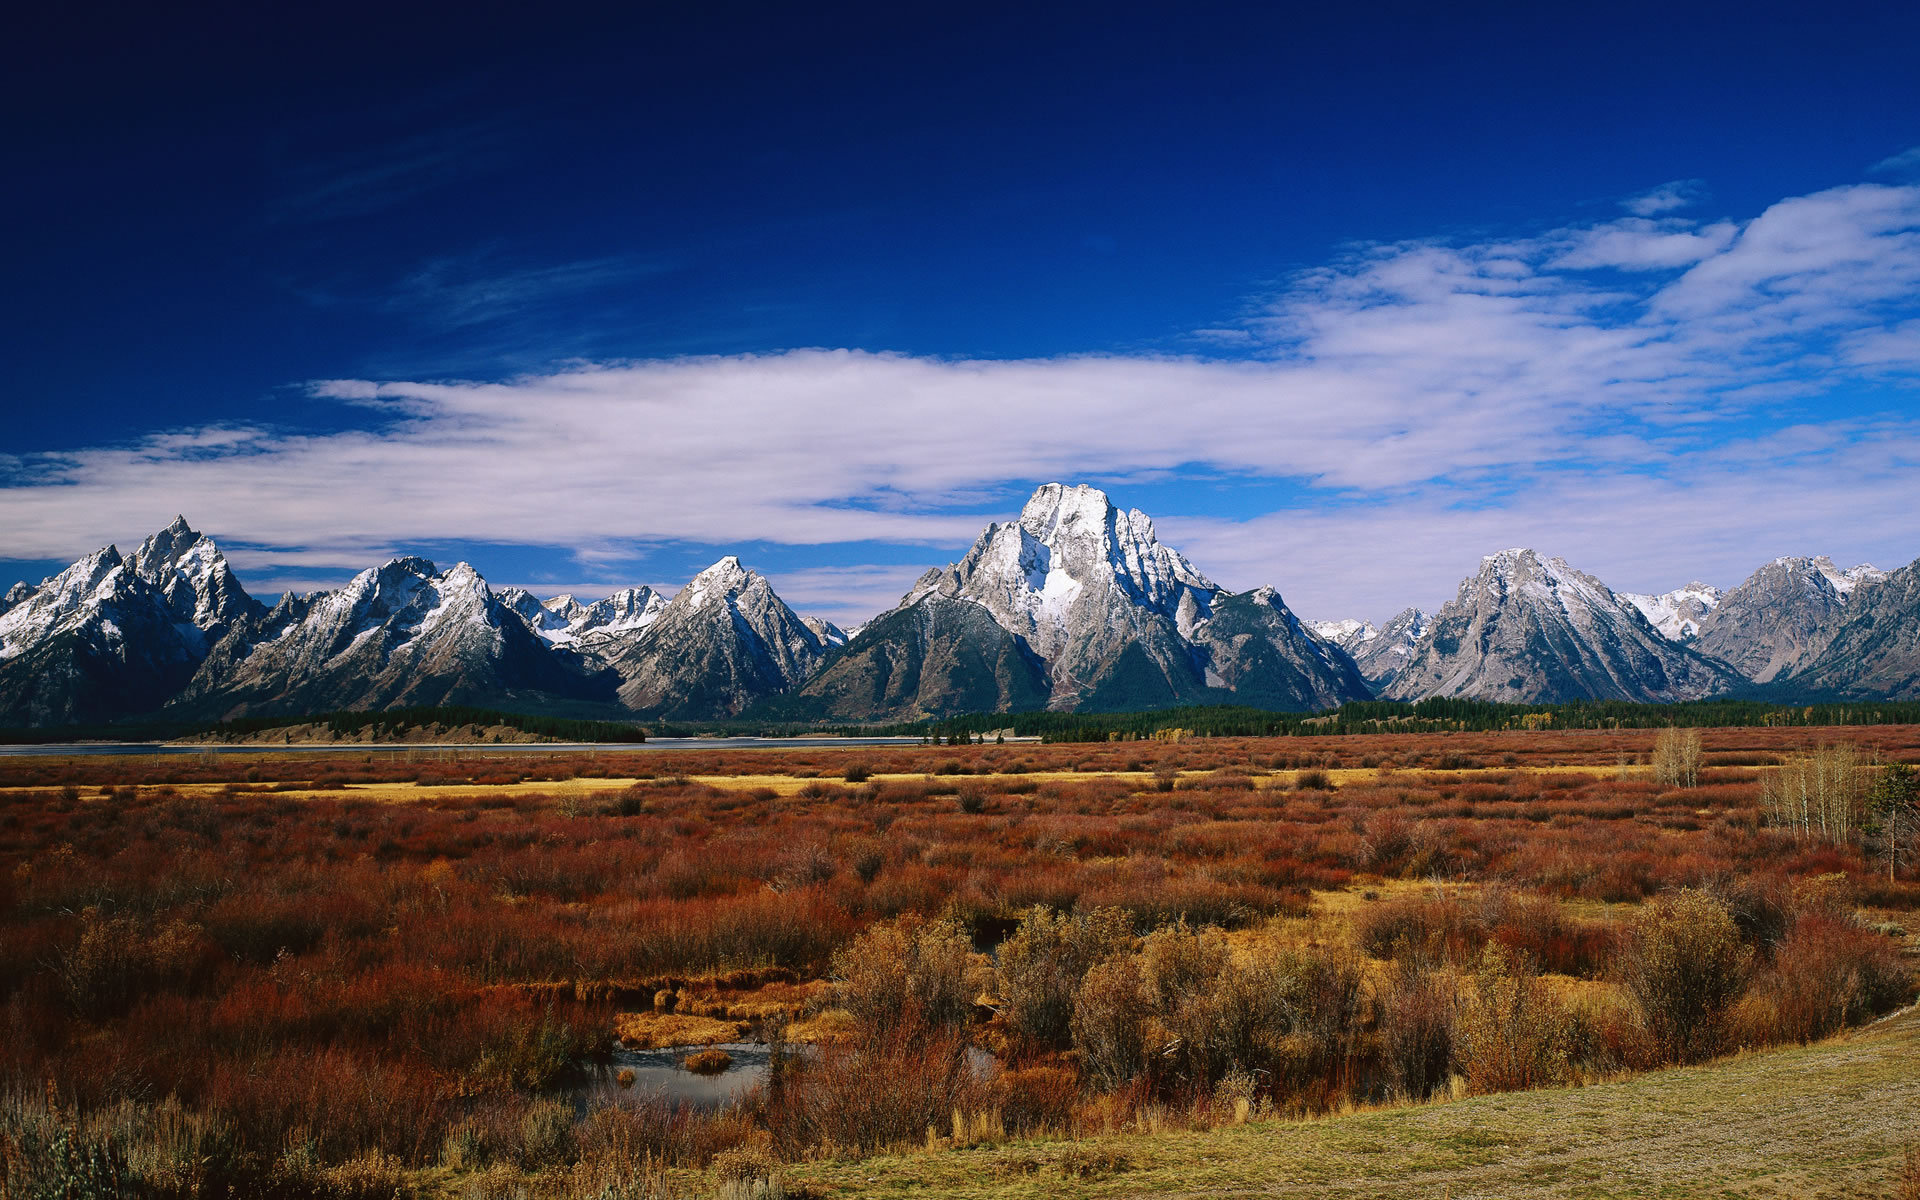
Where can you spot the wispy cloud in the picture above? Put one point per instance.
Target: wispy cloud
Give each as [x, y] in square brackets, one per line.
[366, 180]
[479, 288]
[1652, 395]
[1905, 163]
[1668, 197]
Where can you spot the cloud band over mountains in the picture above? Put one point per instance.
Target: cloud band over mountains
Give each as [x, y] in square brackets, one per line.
[1652, 396]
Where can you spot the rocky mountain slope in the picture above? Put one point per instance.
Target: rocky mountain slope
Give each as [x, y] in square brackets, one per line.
[1782, 617]
[1528, 630]
[1874, 648]
[1085, 604]
[401, 634]
[1382, 653]
[724, 642]
[112, 637]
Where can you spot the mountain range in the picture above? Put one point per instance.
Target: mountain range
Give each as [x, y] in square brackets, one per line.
[1073, 605]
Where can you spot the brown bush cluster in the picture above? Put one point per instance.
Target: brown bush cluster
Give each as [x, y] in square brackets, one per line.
[400, 973]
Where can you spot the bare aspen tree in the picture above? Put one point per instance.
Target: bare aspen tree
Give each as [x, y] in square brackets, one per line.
[1821, 796]
[1676, 757]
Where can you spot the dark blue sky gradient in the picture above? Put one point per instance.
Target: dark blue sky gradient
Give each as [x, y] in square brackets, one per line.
[210, 205]
[210, 208]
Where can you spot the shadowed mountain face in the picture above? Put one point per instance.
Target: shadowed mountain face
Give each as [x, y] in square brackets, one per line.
[1078, 605]
[1529, 631]
[113, 637]
[1782, 617]
[1874, 648]
[935, 656]
[723, 643]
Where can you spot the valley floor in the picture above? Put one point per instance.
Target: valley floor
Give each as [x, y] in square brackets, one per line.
[1828, 1120]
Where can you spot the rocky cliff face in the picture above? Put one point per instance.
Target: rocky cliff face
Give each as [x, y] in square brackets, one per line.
[1099, 611]
[1527, 630]
[1873, 649]
[723, 643]
[1782, 617]
[113, 637]
[397, 635]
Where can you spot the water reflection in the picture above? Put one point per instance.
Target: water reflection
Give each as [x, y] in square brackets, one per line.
[657, 1074]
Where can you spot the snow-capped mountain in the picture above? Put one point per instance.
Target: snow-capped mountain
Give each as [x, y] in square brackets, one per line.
[1345, 634]
[724, 642]
[1677, 614]
[111, 637]
[1086, 604]
[1873, 648]
[1075, 604]
[1077, 579]
[1526, 630]
[401, 634]
[830, 635]
[1783, 616]
[597, 629]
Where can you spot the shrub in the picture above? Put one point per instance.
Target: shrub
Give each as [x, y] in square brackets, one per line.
[1416, 1030]
[1110, 1011]
[907, 972]
[1828, 973]
[1435, 928]
[1043, 961]
[546, 1134]
[1513, 1035]
[1038, 1099]
[882, 1092]
[1686, 965]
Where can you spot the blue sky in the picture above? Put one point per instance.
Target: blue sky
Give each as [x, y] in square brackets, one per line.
[1344, 296]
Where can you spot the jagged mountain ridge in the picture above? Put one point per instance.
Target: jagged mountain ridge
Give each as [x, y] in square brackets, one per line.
[401, 634]
[1782, 618]
[1874, 649]
[1381, 653]
[726, 641]
[1524, 630]
[112, 637]
[1075, 604]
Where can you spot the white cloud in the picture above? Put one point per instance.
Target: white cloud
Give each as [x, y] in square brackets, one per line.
[1668, 197]
[1438, 399]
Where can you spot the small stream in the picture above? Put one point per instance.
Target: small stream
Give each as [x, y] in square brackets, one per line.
[657, 1074]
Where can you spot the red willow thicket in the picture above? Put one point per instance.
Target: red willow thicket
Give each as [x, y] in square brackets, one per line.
[372, 970]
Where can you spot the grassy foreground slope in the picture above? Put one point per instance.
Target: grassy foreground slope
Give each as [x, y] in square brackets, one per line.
[1828, 1120]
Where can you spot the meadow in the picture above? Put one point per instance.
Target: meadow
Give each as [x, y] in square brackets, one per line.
[391, 973]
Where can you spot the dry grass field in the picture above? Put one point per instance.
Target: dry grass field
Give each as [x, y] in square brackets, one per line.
[1465, 964]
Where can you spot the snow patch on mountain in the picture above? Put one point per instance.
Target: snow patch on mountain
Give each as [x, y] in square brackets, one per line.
[1677, 614]
[1345, 634]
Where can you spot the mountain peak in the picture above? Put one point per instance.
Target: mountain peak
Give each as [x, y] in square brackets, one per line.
[1055, 506]
[727, 574]
[1525, 631]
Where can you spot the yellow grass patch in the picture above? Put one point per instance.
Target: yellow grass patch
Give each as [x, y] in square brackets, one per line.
[654, 1031]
